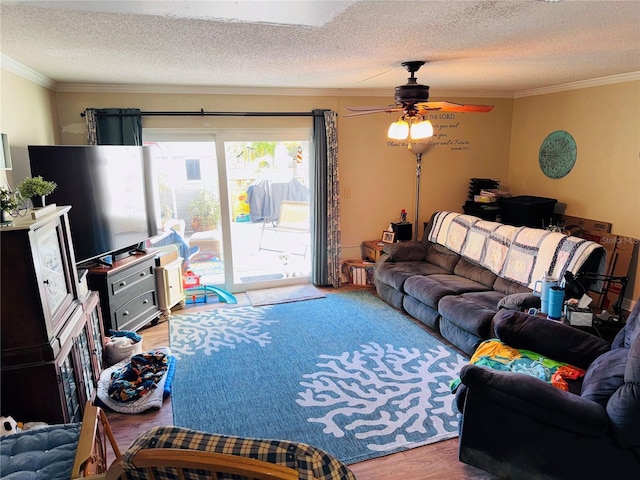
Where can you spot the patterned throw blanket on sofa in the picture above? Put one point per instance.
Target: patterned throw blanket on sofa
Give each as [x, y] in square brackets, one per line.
[496, 355]
[521, 254]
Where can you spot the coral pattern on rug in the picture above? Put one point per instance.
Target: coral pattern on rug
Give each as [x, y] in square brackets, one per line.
[226, 329]
[383, 394]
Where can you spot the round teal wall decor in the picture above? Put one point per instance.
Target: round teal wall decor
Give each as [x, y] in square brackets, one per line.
[558, 154]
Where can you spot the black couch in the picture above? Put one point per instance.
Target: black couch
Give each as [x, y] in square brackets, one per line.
[465, 269]
[520, 427]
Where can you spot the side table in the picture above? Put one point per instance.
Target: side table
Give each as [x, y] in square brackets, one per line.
[372, 249]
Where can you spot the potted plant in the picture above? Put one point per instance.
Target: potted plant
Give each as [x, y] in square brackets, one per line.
[36, 188]
[8, 203]
[205, 212]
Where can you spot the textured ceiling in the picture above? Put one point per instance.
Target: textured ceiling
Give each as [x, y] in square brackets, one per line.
[470, 46]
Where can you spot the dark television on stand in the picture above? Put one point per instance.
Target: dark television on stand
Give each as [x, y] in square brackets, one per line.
[110, 191]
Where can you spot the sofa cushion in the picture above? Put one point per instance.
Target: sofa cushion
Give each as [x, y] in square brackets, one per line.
[604, 376]
[461, 338]
[424, 313]
[475, 272]
[395, 274]
[472, 312]
[442, 256]
[430, 289]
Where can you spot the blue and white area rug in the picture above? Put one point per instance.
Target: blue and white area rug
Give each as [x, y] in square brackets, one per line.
[345, 373]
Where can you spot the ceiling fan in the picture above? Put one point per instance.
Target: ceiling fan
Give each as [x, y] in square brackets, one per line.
[412, 99]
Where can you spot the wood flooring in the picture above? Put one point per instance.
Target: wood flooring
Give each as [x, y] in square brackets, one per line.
[434, 461]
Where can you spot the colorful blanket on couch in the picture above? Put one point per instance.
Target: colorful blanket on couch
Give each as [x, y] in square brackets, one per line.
[521, 254]
[496, 355]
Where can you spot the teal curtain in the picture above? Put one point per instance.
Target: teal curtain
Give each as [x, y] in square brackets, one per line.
[114, 126]
[325, 204]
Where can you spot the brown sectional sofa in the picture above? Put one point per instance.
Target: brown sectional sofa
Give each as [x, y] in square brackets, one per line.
[465, 269]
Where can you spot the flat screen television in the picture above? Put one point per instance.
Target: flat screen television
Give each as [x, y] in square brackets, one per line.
[110, 191]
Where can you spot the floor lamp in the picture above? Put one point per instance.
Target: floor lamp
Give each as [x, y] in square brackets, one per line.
[418, 149]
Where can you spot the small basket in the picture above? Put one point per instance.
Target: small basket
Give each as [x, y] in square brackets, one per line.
[116, 352]
[359, 272]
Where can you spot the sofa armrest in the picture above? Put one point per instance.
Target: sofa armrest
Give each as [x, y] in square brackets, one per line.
[519, 301]
[405, 251]
[536, 399]
[549, 338]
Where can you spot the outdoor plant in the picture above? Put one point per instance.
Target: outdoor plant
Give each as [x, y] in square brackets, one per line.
[36, 188]
[205, 212]
[8, 201]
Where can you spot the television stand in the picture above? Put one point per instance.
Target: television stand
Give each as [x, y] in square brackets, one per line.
[127, 288]
[137, 251]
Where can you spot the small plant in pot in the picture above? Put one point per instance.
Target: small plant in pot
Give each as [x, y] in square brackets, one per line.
[36, 188]
[8, 203]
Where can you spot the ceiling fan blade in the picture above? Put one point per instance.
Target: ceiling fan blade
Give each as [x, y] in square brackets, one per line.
[453, 107]
[378, 110]
[372, 108]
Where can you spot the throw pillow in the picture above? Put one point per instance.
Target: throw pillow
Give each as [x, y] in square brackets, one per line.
[405, 251]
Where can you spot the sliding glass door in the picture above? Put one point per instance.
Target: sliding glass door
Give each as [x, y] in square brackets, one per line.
[236, 204]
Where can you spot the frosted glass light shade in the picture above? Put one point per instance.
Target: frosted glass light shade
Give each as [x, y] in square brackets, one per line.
[398, 130]
[422, 129]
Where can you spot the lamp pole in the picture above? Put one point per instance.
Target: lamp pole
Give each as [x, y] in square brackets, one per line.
[418, 149]
[418, 172]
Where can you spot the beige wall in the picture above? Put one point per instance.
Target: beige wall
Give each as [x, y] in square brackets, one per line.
[381, 179]
[604, 184]
[28, 117]
[378, 180]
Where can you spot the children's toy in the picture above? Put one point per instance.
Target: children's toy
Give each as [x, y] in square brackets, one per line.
[8, 426]
[201, 293]
[190, 279]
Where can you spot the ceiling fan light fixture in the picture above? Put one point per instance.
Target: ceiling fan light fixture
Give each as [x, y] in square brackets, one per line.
[399, 130]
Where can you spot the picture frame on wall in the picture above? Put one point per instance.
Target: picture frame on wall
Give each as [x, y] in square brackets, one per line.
[388, 237]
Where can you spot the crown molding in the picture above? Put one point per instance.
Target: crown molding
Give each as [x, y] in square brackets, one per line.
[306, 92]
[192, 89]
[27, 73]
[595, 82]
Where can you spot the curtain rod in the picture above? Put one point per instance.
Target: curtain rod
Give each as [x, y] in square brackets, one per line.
[202, 113]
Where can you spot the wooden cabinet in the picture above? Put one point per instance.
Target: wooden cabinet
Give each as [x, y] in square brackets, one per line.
[56, 391]
[127, 289]
[169, 286]
[52, 341]
[38, 287]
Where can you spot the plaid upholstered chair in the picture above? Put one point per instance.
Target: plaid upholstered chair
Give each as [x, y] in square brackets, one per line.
[160, 452]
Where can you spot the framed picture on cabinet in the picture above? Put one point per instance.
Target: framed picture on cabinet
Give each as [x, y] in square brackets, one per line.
[388, 237]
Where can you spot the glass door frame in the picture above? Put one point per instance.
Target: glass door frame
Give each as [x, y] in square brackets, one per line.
[219, 137]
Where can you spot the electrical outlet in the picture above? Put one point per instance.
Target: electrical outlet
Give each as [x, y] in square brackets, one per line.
[346, 192]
